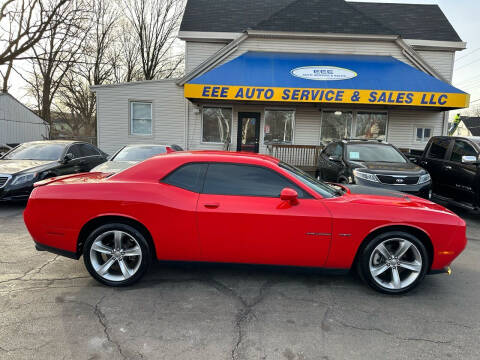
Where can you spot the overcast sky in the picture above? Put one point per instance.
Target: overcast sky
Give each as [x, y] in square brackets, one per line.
[464, 15]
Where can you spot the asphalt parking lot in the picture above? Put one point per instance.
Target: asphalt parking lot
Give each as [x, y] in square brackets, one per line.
[50, 308]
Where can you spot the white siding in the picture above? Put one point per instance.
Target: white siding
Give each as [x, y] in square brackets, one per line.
[385, 48]
[198, 52]
[18, 124]
[168, 114]
[400, 129]
[441, 61]
[402, 124]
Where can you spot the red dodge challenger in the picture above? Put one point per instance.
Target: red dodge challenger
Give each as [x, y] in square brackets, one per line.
[240, 208]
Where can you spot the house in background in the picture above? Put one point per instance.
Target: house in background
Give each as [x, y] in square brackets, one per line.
[269, 74]
[18, 123]
[468, 126]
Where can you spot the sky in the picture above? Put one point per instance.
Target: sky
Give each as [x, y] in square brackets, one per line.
[464, 15]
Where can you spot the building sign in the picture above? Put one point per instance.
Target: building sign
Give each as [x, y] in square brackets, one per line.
[345, 96]
[323, 73]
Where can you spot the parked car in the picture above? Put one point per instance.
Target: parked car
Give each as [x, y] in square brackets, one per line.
[453, 164]
[372, 163]
[132, 154]
[33, 161]
[240, 208]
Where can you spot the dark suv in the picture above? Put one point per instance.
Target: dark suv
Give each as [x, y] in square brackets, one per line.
[453, 163]
[372, 163]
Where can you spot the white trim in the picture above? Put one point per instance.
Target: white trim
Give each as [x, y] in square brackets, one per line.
[201, 124]
[308, 35]
[436, 44]
[209, 36]
[131, 117]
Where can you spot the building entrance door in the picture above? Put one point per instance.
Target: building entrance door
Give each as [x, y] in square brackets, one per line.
[248, 131]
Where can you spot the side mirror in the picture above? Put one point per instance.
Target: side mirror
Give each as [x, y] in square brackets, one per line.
[289, 195]
[68, 157]
[469, 159]
[334, 158]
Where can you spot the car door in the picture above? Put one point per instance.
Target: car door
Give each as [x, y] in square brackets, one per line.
[74, 164]
[331, 163]
[241, 219]
[90, 157]
[459, 177]
[434, 163]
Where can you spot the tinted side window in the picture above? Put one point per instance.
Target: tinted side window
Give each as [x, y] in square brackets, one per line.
[246, 180]
[338, 150]
[329, 150]
[461, 148]
[75, 150]
[438, 148]
[188, 177]
[88, 150]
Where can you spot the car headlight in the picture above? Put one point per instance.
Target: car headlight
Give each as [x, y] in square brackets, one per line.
[365, 176]
[24, 178]
[424, 178]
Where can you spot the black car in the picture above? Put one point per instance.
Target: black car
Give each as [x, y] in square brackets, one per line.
[453, 162]
[372, 163]
[33, 161]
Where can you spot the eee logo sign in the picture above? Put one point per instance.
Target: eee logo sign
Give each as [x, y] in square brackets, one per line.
[323, 73]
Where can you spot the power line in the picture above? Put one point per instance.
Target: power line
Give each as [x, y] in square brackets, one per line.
[472, 79]
[470, 63]
[471, 102]
[470, 53]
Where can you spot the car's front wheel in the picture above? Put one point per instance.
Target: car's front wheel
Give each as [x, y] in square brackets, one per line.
[393, 262]
[116, 254]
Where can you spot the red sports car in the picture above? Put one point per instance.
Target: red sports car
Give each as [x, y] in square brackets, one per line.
[239, 208]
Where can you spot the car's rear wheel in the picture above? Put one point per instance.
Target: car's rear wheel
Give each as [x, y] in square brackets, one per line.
[116, 254]
[393, 262]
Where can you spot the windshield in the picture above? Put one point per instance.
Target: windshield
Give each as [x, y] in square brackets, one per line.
[139, 153]
[36, 151]
[374, 153]
[323, 189]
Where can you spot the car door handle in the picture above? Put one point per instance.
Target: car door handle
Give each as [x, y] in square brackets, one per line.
[211, 205]
[447, 167]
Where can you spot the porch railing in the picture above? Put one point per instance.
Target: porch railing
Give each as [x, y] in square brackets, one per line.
[302, 156]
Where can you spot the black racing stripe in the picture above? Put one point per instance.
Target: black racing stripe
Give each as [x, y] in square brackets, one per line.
[367, 190]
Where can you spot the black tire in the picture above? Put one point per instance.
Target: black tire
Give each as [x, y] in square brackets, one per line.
[146, 253]
[365, 254]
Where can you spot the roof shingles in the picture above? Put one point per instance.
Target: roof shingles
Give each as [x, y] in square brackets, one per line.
[411, 21]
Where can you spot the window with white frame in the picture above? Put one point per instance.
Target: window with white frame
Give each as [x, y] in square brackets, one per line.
[423, 134]
[216, 124]
[141, 118]
[278, 128]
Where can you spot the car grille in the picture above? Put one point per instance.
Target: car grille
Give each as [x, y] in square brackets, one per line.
[3, 180]
[398, 180]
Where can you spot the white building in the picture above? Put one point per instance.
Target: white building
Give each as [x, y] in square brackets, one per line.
[265, 73]
[18, 123]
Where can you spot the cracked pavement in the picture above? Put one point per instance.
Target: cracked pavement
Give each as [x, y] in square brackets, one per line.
[50, 308]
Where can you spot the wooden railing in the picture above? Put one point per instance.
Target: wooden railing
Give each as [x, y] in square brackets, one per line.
[303, 156]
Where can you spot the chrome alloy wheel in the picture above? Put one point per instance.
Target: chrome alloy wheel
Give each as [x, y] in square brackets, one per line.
[395, 263]
[115, 255]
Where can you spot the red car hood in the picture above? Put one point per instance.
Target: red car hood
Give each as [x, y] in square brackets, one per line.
[374, 196]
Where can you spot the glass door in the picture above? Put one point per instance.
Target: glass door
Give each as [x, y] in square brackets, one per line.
[248, 131]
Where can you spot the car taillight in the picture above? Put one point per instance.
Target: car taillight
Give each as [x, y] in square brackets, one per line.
[169, 149]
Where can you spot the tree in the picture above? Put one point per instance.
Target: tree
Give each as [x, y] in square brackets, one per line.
[54, 55]
[22, 25]
[155, 23]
